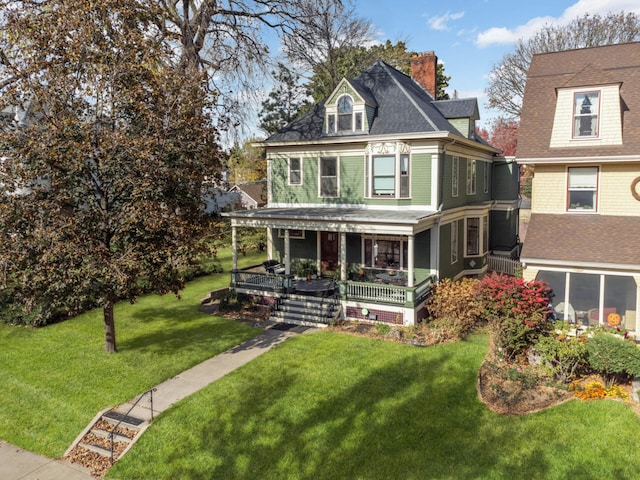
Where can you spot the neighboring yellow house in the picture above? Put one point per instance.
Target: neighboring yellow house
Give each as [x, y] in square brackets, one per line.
[580, 129]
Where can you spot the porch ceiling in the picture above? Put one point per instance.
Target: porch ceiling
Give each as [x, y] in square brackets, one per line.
[337, 219]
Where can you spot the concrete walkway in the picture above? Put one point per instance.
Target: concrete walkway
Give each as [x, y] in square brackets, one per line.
[18, 464]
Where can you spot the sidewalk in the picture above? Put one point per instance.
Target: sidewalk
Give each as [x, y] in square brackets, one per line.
[18, 464]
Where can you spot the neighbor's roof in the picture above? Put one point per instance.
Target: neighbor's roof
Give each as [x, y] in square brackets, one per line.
[403, 106]
[582, 240]
[257, 191]
[575, 68]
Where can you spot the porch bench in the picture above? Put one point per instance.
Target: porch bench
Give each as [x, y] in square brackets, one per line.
[274, 266]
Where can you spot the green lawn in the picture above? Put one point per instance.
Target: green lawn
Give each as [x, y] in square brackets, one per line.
[329, 405]
[53, 380]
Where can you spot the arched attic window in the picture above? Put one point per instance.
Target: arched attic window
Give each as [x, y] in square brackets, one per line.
[345, 113]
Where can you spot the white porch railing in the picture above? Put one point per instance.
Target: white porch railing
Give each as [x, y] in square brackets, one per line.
[506, 265]
[377, 292]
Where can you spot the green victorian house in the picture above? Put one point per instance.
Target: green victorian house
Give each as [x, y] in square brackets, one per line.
[373, 195]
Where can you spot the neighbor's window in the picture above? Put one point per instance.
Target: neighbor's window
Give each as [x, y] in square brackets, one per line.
[473, 236]
[345, 113]
[585, 114]
[328, 176]
[454, 242]
[583, 189]
[454, 176]
[471, 177]
[295, 171]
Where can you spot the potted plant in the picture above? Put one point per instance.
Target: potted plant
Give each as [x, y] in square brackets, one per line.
[306, 269]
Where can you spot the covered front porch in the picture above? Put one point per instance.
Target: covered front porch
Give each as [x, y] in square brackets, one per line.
[381, 264]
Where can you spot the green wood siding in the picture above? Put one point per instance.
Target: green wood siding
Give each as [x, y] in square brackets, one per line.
[505, 181]
[503, 228]
[462, 125]
[422, 260]
[301, 248]
[352, 179]
[345, 88]
[447, 269]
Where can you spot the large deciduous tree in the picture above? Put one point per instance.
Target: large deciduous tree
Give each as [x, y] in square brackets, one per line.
[508, 76]
[327, 28]
[104, 159]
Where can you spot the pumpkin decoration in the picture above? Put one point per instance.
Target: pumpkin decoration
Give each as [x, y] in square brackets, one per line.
[613, 319]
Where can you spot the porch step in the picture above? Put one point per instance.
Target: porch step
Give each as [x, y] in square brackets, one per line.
[306, 310]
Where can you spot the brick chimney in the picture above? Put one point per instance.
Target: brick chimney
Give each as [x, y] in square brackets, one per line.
[423, 71]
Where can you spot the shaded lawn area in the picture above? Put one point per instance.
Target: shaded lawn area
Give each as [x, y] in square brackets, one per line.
[333, 406]
[56, 378]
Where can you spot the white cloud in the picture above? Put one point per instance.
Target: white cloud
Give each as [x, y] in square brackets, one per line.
[440, 22]
[505, 36]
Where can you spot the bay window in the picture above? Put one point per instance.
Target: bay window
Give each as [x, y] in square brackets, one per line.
[473, 236]
[390, 176]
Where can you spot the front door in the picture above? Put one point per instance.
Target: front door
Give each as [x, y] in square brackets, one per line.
[328, 252]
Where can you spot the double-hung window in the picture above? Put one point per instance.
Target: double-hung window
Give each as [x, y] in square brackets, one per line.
[404, 176]
[471, 177]
[454, 176]
[295, 171]
[582, 191]
[454, 242]
[345, 113]
[585, 114]
[390, 176]
[384, 176]
[328, 176]
[473, 236]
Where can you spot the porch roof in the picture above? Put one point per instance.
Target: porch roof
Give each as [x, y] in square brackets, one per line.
[583, 241]
[338, 219]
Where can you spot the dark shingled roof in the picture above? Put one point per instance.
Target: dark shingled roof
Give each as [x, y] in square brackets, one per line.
[583, 239]
[403, 106]
[458, 108]
[575, 68]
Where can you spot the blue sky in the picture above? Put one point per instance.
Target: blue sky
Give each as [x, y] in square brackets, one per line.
[469, 37]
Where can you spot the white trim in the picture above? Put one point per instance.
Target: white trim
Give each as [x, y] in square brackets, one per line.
[591, 159]
[351, 206]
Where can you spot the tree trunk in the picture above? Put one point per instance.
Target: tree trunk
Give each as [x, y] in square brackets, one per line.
[109, 329]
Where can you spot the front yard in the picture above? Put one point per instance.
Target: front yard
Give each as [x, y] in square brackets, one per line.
[323, 405]
[56, 378]
[331, 405]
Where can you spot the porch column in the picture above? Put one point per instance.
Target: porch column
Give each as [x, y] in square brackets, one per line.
[234, 248]
[343, 257]
[287, 253]
[411, 260]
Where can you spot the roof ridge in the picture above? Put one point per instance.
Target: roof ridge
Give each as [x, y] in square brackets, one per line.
[411, 99]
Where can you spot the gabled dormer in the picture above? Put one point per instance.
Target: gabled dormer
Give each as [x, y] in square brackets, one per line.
[349, 109]
[587, 116]
[462, 113]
